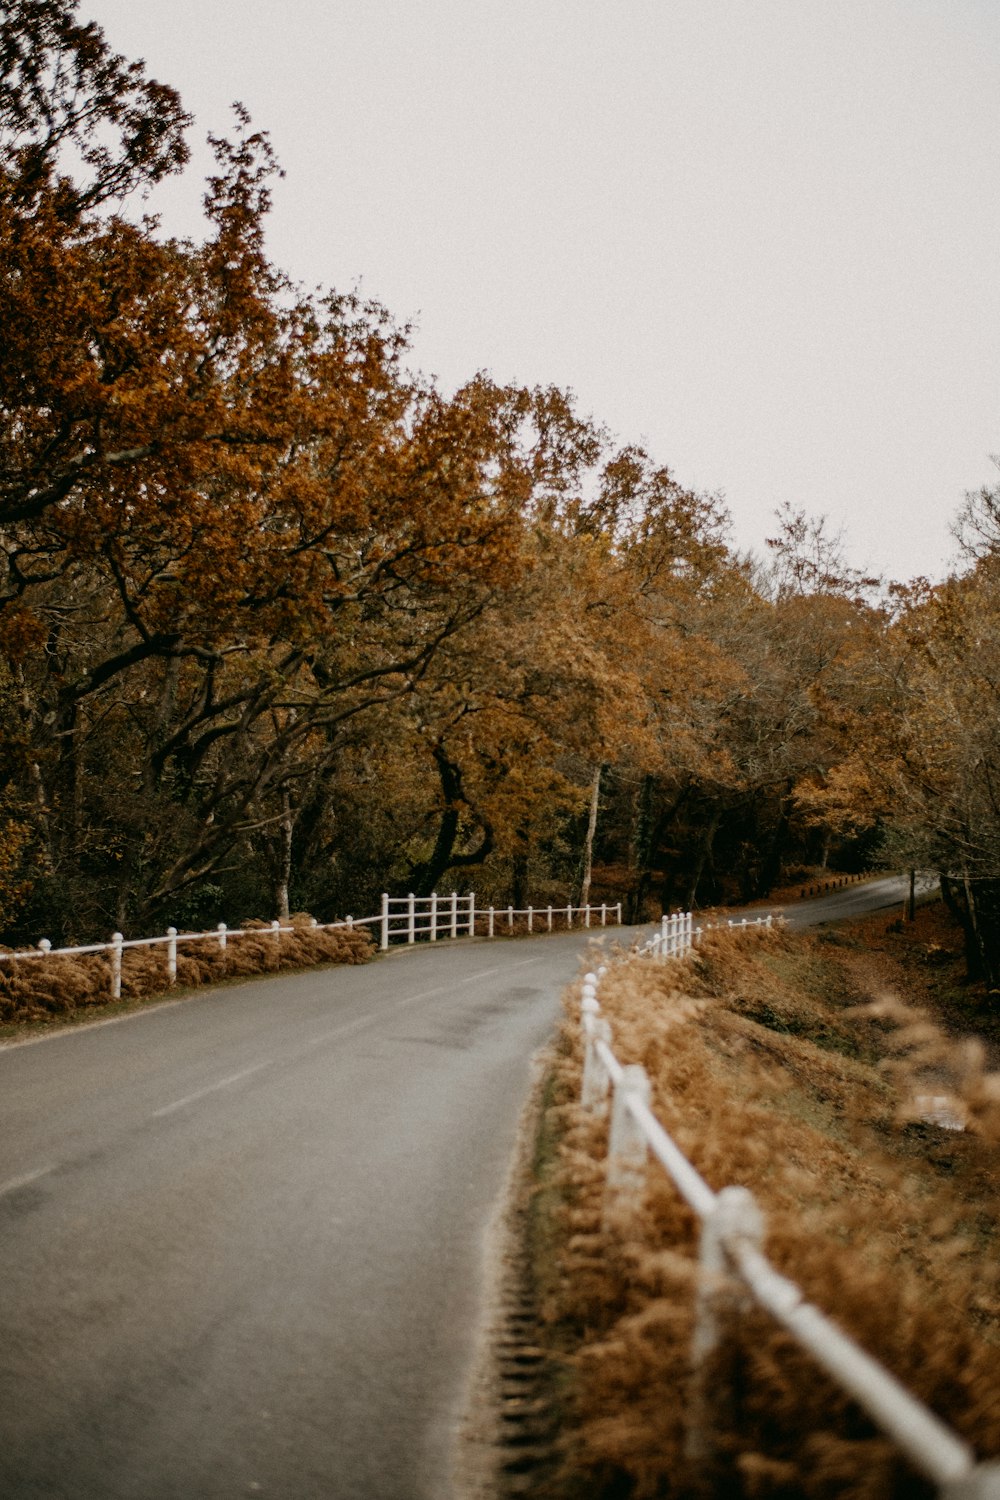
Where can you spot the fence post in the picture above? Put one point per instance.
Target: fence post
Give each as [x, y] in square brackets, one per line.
[411, 906]
[627, 1148]
[385, 921]
[586, 915]
[720, 1298]
[434, 916]
[472, 913]
[490, 930]
[594, 1090]
[171, 955]
[221, 930]
[569, 918]
[510, 918]
[531, 916]
[549, 915]
[594, 1095]
[454, 914]
[117, 940]
[618, 909]
[604, 914]
[276, 929]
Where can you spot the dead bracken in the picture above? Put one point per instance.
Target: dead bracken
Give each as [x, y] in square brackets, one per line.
[34, 989]
[770, 1075]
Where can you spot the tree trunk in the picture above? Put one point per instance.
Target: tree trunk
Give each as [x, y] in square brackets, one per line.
[424, 877]
[956, 899]
[771, 867]
[658, 838]
[287, 826]
[588, 845]
[639, 849]
[703, 856]
[982, 928]
[520, 873]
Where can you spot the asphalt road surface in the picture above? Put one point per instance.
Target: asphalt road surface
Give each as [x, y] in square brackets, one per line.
[242, 1235]
[887, 893]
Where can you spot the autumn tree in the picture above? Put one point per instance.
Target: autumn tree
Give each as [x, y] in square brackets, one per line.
[230, 523]
[282, 622]
[939, 762]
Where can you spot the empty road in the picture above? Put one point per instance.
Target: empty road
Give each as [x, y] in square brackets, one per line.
[242, 1235]
[886, 893]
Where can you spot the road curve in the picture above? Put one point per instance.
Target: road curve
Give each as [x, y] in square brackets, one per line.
[884, 893]
[242, 1234]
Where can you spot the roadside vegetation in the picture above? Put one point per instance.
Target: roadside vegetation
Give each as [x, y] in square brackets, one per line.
[37, 993]
[795, 1066]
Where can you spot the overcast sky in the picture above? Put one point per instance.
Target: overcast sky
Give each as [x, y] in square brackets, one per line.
[758, 235]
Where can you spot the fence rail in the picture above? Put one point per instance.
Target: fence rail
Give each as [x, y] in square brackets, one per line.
[405, 918]
[401, 919]
[677, 934]
[730, 1253]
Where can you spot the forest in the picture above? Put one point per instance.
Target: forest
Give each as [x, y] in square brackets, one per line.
[285, 625]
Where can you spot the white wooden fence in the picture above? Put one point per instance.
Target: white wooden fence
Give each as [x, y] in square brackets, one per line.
[405, 918]
[401, 919]
[732, 1262]
[677, 934]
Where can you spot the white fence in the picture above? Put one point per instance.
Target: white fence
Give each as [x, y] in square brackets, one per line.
[401, 919]
[677, 933]
[731, 1260]
[405, 918]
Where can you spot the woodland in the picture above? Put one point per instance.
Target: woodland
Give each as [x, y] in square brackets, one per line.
[285, 625]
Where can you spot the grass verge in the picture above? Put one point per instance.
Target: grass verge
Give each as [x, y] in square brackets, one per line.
[40, 994]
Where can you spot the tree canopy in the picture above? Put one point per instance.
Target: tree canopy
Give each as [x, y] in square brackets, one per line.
[284, 624]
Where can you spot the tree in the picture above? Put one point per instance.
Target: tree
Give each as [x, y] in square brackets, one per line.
[942, 767]
[78, 123]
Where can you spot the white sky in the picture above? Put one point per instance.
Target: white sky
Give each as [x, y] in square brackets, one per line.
[758, 235]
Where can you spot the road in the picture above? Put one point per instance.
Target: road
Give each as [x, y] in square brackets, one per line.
[242, 1235]
[884, 894]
